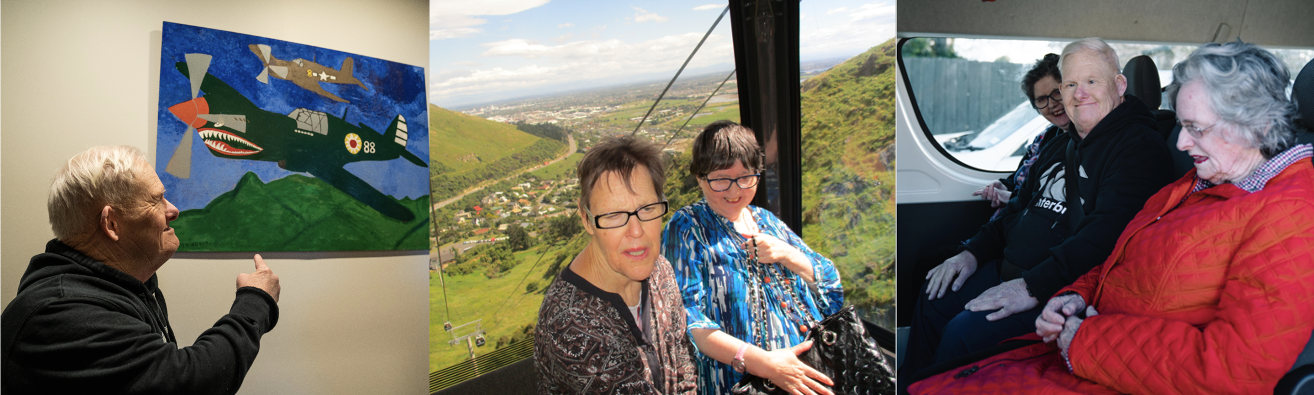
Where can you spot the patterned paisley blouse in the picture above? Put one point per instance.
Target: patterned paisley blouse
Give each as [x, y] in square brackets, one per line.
[588, 342]
[712, 270]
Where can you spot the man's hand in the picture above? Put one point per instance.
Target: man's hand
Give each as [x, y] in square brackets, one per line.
[950, 275]
[1010, 297]
[995, 193]
[1055, 315]
[262, 278]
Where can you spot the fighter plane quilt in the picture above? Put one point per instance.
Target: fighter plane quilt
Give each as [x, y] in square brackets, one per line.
[267, 145]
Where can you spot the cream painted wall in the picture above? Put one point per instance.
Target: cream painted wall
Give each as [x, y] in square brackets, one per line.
[82, 73]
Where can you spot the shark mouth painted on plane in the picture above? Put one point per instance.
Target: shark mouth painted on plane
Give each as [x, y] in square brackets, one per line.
[227, 143]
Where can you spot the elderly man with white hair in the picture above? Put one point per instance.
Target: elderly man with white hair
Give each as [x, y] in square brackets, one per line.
[1060, 224]
[89, 316]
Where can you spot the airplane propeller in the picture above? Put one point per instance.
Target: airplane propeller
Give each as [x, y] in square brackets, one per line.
[264, 57]
[180, 165]
[265, 52]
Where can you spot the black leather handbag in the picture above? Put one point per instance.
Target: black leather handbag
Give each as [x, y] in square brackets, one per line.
[843, 351]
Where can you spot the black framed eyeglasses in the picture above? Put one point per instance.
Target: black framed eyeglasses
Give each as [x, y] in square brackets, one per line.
[723, 184]
[621, 218]
[1043, 102]
[1194, 130]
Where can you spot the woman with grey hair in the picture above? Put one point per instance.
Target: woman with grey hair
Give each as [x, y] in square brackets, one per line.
[1208, 289]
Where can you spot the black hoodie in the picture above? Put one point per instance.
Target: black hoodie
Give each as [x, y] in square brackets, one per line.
[1123, 161]
[79, 326]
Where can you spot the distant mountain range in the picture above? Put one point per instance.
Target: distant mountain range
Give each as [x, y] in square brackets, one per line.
[467, 102]
[297, 213]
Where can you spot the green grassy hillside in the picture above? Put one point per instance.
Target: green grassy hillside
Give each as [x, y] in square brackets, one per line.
[466, 151]
[505, 303]
[461, 142]
[848, 172]
[297, 213]
[848, 114]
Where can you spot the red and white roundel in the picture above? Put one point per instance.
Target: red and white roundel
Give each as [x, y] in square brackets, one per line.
[353, 143]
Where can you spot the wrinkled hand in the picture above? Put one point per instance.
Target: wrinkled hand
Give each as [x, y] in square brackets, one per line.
[771, 249]
[1053, 317]
[995, 193]
[1070, 329]
[784, 369]
[950, 275]
[1009, 298]
[262, 278]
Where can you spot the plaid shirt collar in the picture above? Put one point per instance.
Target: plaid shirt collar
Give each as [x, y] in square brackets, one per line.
[1266, 171]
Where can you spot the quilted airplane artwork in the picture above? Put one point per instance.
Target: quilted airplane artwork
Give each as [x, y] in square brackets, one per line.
[286, 164]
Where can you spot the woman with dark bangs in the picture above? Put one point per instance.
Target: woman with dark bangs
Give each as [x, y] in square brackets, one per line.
[751, 286]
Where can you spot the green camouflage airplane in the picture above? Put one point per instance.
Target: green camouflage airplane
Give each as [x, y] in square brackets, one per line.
[302, 141]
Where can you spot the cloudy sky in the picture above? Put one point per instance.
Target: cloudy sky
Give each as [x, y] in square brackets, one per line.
[495, 50]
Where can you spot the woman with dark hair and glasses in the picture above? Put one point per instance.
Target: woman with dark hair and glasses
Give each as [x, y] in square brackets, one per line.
[751, 286]
[1041, 85]
[612, 321]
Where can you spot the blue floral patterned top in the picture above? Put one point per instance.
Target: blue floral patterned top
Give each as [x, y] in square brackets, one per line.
[711, 268]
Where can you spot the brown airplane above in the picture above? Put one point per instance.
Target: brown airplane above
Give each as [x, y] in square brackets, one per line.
[304, 73]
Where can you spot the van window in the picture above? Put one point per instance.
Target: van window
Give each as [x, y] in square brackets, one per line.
[969, 96]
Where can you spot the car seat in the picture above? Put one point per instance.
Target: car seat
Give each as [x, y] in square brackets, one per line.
[1143, 82]
[1300, 380]
[1302, 92]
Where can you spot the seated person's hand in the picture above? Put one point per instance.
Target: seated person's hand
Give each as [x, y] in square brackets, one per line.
[995, 193]
[999, 198]
[1009, 298]
[1070, 329]
[950, 275]
[795, 377]
[771, 249]
[1055, 315]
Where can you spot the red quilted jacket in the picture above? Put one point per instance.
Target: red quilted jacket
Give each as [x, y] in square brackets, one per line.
[1212, 295]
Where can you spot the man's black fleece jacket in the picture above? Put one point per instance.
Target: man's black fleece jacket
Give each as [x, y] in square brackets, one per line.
[1123, 161]
[79, 326]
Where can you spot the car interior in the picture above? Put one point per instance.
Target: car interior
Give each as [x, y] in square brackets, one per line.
[935, 205]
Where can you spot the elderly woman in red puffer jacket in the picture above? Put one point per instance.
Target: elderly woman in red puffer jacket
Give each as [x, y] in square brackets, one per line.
[1210, 289]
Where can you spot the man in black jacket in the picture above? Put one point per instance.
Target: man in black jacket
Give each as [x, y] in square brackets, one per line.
[1034, 247]
[89, 316]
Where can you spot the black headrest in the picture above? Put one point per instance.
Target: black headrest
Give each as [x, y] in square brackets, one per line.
[1302, 92]
[1143, 80]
